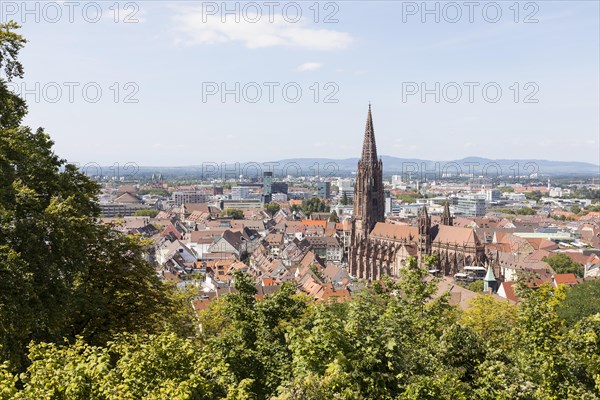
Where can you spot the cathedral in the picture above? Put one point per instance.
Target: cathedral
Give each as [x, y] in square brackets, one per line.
[378, 248]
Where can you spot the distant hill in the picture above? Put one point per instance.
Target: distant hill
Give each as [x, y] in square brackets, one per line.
[343, 167]
[477, 164]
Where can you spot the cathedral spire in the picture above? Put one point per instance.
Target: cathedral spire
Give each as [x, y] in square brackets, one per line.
[423, 211]
[369, 150]
[447, 217]
[369, 201]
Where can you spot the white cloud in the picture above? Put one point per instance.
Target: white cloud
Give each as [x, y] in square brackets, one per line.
[195, 28]
[309, 66]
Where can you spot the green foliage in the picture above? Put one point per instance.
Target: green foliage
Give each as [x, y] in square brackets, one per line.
[62, 275]
[525, 211]
[410, 344]
[333, 217]
[154, 192]
[563, 264]
[575, 209]
[314, 204]
[272, 208]
[535, 195]
[506, 211]
[295, 208]
[582, 301]
[490, 318]
[150, 212]
[12, 107]
[476, 286]
[585, 193]
[345, 200]
[408, 197]
[583, 342]
[132, 367]
[234, 213]
[506, 189]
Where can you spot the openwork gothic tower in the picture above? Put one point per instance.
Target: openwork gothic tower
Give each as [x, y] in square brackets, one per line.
[378, 248]
[368, 191]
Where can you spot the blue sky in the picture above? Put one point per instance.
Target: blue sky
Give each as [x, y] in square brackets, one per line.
[377, 51]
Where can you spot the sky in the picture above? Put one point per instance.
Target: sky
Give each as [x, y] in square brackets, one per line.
[168, 83]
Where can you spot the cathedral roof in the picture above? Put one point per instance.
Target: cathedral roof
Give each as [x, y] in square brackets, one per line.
[395, 231]
[442, 234]
[456, 235]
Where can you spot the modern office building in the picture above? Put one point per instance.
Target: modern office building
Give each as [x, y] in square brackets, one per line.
[470, 206]
[324, 190]
[188, 197]
[267, 182]
[492, 195]
[109, 210]
[240, 192]
[346, 187]
[240, 204]
[279, 197]
[279, 187]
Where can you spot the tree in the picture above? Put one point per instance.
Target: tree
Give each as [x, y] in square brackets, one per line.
[535, 195]
[476, 286]
[405, 342]
[505, 211]
[272, 208]
[234, 213]
[491, 318]
[344, 199]
[563, 264]
[314, 204]
[525, 211]
[153, 191]
[132, 367]
[62, 274]
[582, 301]
[333, 217]
[12, 107]
[575, 209]
[408, 197]
[146, 213]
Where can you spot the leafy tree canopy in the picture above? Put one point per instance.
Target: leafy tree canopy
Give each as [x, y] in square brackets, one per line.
[314, 204]
[582, 301]
[62, 274]
[149, 212]
[405, 342]
[272, 208]
[563, 264]
[333, 217]
[234, 213]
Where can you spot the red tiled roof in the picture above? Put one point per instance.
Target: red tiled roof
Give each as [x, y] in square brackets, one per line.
[311, 222]
[565, 279]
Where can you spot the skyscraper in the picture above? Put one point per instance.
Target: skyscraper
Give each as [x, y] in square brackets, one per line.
[267, 182]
